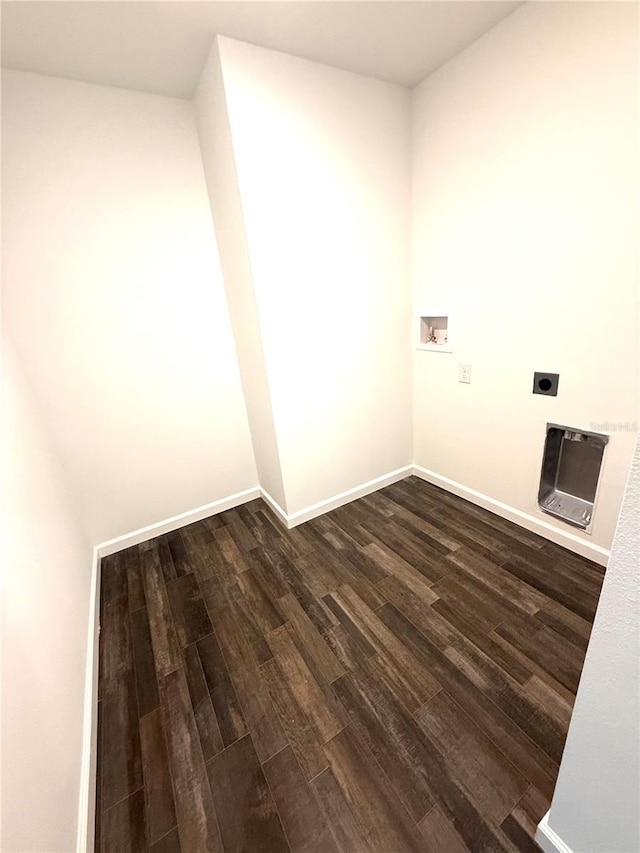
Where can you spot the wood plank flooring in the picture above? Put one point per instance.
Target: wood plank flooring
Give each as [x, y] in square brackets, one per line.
[396, 675]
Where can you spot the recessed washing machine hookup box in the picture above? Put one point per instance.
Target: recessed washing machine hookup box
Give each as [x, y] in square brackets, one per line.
[571, 467]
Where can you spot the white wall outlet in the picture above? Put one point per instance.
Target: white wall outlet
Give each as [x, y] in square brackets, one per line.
[464, 374]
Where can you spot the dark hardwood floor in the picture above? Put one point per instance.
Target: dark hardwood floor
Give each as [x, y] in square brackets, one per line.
[396, 675]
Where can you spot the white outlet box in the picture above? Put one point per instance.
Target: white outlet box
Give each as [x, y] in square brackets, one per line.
[464, 374]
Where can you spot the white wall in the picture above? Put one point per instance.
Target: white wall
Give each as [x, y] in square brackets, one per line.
[525, 157]
[226, 207]
[46, 564]
[323, 171]
[113, 290]
[595, 804]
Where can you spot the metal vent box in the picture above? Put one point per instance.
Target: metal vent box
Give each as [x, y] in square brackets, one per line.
[570, 472]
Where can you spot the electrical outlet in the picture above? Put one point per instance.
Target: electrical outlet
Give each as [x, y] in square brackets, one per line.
[465, 374]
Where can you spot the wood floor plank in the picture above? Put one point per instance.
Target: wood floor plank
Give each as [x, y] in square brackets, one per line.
[113, 578]
[295, 724]
[439, 834]
[230, 551]
[381, 817]
[201, 556]
[530, 759]
[364, 695]
[569, 625]
[420, 613]
[116, 646]
[547, 649]
[197, 823]
[312, 639]
[453, 798]
[270, 564]
[144, 663]
[553, 586]
[240, 533]
[123, 826]
[203, 711]
[135, 588]
[409, 548]
[263, 605]
[414, 683]
[523, 821]
[262, 534]
[170, 843]
[212, 661]
[166, 558]
[249, 821]
[340, 541]
[509, 696]
[122, 761]
[349, 574]
[339, 815]
[461, 606]
[504, 584]
[495, 785]
[315, 698]
[302, 818]
[178, 552]
[250, 687]
[444, 634]
[424, 529]
[402, 571]
[229, 715]
[163, 633]
[348, 625]
[158, 791]
[245, 617]
[188, 608]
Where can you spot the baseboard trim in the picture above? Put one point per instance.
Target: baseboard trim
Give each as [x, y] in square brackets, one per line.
[87, 797]
[283, 518]
[169, 524]
[548, 840]
[342, 498]
[536, 525]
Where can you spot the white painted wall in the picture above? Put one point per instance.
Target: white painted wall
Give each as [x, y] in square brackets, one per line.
[226, 207]
[323, 171]
[525, 182]
[113, 290]
[595, 804]
[46, 563]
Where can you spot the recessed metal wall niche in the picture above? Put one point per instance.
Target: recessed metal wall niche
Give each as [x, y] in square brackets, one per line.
[571, 467]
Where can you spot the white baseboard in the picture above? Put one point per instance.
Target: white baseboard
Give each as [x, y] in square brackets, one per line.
[87, 799]
[275, 506]
[536, 525]
[547, 839]
[169, 524]
[340, 499]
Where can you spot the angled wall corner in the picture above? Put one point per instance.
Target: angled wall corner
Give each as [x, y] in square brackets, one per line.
[219, 165]
[309, 179]
[595, 803]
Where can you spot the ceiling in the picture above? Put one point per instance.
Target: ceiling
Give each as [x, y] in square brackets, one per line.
[161, 47]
